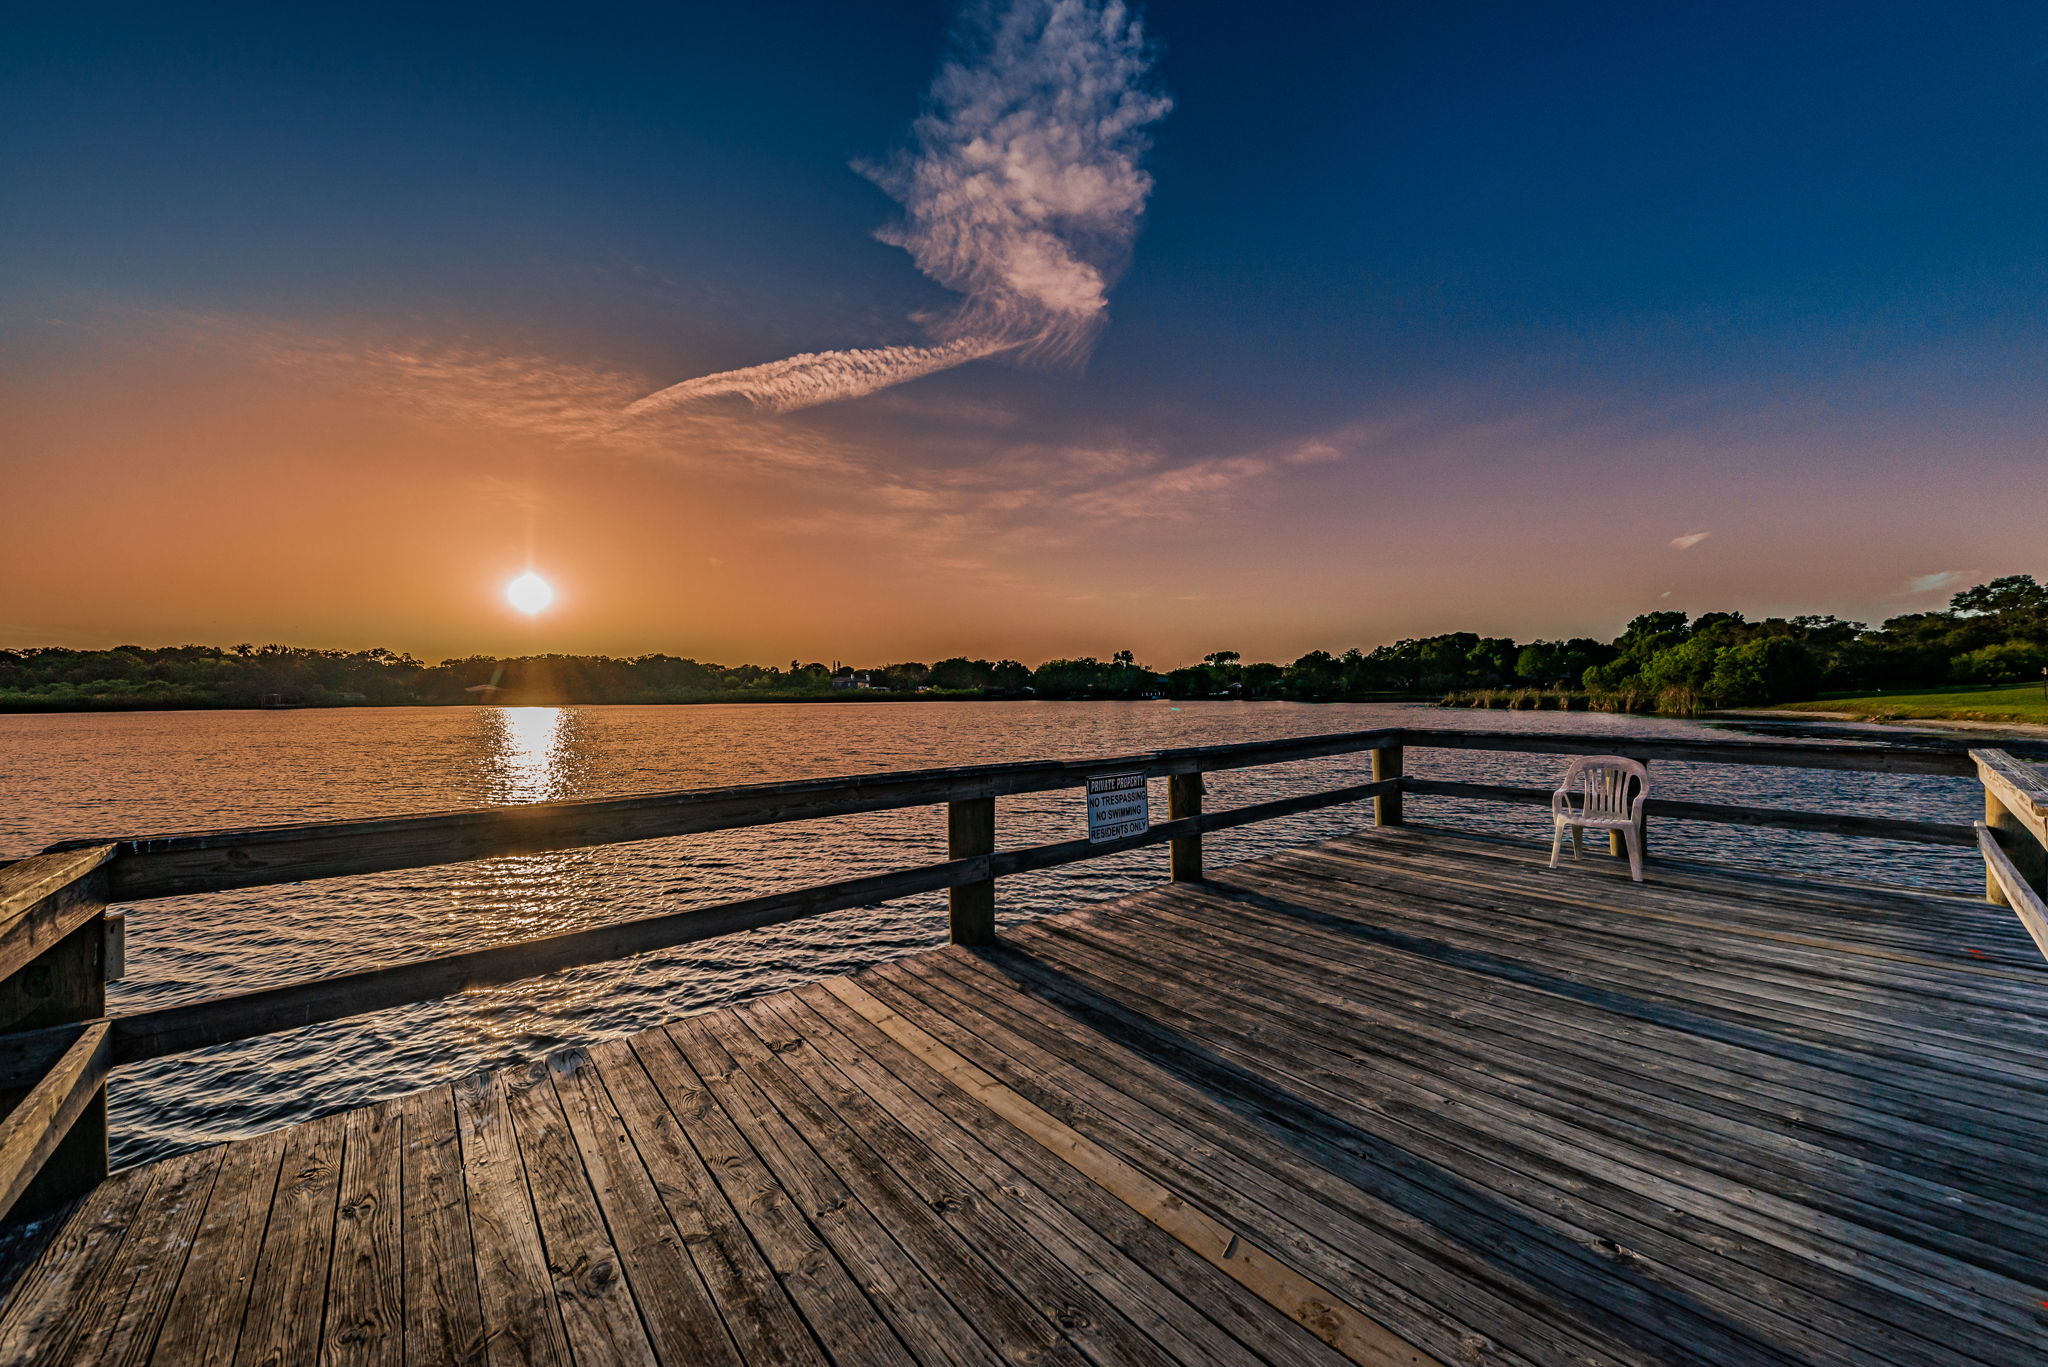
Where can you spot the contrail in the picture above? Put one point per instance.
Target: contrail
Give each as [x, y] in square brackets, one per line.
[819, 376]
[1021, 191]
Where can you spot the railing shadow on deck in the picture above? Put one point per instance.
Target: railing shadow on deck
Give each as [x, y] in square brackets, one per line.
[1586, 1275]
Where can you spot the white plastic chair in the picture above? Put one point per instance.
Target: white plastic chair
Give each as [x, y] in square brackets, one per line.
[1600, 786]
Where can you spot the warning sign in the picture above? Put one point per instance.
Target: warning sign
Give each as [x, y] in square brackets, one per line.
[1116, 807]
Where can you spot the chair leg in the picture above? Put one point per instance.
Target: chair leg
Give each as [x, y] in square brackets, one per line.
[1578, 842]
[1633, 838]
[1556, 841]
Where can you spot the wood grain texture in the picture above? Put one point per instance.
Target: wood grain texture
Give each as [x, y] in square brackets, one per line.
[2016, 891]
[44, 897]
[40, 1121]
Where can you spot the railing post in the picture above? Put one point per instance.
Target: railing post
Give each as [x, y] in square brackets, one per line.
[1184, 798]
[971, 831]
[1386, 764]
[65, 983]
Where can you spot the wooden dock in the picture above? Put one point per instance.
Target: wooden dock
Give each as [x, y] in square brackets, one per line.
[1405, 1097]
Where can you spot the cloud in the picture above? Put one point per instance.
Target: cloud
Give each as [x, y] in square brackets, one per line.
[1929, 583]
[1689, 540]
[818, 376]
[1021, 192]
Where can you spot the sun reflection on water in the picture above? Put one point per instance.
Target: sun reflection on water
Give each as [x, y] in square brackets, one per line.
[528, 761]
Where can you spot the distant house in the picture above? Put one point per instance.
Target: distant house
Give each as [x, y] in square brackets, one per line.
[852, 681]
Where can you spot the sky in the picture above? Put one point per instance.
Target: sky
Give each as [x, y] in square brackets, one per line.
[1032, 328]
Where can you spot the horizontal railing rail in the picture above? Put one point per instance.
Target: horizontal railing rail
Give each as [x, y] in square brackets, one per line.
[2014, 835]
[1826, 823]
[57, 940]
[213, 861]
[2010, 884]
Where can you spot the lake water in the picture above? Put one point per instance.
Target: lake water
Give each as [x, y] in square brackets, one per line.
[124, 774]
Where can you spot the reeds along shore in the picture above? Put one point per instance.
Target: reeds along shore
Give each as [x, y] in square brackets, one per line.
[1669, 702]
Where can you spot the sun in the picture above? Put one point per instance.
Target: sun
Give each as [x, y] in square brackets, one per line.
[529, 593]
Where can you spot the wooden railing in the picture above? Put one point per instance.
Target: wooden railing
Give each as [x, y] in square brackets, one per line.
[2014, 838]
[58, 942]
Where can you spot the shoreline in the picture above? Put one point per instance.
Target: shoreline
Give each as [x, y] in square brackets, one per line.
[1858, 721]
[862, 696]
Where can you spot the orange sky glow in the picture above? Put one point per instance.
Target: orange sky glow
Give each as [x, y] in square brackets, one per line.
[227, 482]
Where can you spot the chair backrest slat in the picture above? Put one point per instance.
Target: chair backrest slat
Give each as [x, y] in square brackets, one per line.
[1606, 785]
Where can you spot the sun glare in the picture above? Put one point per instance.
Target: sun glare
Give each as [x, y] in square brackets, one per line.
[529, 593]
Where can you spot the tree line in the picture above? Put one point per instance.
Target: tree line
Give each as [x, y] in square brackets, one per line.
[1991, 633]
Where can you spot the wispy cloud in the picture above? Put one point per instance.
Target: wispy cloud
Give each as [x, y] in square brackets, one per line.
[1689, 540]
[818, 376]
[1021, 192]
[1930, 583]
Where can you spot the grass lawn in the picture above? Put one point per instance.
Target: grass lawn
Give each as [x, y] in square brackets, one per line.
[2014, 702]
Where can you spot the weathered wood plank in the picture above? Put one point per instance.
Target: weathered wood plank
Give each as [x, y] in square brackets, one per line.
[1184, 799]
[2019, 894]
[759, 1315]
[1590, 1064]
[599, 1318]
[138, 1288]
[1957, 998]
[999, 1282]
[1405, 1064]
[2001, 1064]
[1926, 922]
[203, 1324]
[522, 1326]
[1314, 1070]
[45, 897]
[1327, 1315]
[1389, 764]
[51, 1304]
[366, 1292]
[287, 1292]
[971, 834]
[682, 1319]
[1196, 1314]
[444, 1319]
[932, 1328]
[40, 1121]
[1303, 1147]
[834, 1303]
[1805, 1080]
[1117, 1104]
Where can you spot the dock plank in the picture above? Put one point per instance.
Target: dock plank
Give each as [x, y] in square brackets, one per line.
[444, 1319]
[365, 1320]
[835, 1305]
[600, 1319]
[522, 1326]
[203, 1323]
[682, 1320]
[287, 1291]
[758, 1314]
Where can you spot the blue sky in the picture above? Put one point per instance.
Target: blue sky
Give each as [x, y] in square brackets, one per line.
[1737, 257]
